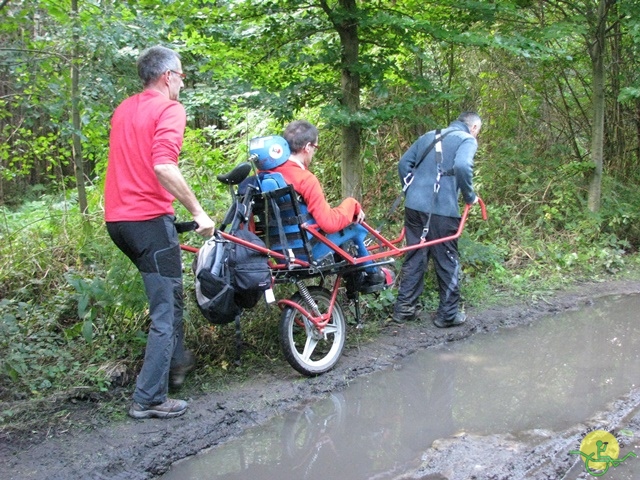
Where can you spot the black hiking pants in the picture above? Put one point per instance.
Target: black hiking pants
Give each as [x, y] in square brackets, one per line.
[445, 259]
[153, 247]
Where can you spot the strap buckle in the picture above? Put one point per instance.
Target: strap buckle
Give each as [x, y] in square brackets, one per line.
[407, 180]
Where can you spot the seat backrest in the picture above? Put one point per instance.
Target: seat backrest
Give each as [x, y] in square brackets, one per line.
[283, 214]
[270, 181]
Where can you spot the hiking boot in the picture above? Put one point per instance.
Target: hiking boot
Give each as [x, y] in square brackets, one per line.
[459, 319]
[405, 316]
[178, 373]
[169, 409]
[381, 279]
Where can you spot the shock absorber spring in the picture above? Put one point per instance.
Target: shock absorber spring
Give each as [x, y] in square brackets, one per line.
[306, 295]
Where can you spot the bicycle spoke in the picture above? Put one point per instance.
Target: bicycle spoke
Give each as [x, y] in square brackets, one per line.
[309, 347]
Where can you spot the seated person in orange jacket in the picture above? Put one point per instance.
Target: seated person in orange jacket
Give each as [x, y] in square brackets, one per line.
[341, 223]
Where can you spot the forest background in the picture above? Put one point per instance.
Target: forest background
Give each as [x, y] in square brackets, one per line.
[556, 82]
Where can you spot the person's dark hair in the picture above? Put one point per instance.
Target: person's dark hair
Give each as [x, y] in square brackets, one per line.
[470, 119]
[299, 133]
[154, 61]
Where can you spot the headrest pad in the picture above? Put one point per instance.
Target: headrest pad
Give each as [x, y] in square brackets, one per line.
[271, 151]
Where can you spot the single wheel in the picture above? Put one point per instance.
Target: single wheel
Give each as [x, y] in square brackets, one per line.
[305, 348]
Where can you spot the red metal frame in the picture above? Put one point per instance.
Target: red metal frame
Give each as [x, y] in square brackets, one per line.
[388, 248]
[391, 249]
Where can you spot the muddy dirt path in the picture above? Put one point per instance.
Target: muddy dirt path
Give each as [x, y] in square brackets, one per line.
[136, 450]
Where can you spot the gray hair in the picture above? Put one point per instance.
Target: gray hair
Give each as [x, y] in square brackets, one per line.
[470, 119]
[299, 133]
[154, 61]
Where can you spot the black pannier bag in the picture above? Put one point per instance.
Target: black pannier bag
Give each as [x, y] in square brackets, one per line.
[250, 274]
[229, 277]
[214, 293]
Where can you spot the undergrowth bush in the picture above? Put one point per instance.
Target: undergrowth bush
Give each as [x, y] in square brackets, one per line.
[69, 300]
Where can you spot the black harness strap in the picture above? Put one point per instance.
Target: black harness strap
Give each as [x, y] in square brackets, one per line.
[439, 175]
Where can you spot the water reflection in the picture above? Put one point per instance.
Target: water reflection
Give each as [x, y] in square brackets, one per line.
[550, 375]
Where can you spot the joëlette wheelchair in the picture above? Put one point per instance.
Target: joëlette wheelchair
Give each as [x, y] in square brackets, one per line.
[312, 327]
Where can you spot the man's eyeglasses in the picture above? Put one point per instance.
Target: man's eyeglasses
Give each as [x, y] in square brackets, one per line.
[314, 145]
[181, 75]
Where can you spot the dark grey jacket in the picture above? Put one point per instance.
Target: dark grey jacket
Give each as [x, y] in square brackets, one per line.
[458, 149]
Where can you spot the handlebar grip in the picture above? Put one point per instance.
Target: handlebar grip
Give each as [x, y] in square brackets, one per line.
[182, 227]
[483, 208]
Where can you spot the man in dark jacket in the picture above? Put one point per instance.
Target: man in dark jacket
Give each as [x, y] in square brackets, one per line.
[432, 209]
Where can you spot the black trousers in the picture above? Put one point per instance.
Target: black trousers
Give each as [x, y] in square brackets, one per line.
[445, 259]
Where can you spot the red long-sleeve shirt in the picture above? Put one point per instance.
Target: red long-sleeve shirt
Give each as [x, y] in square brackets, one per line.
[147, 129]
[330, 220]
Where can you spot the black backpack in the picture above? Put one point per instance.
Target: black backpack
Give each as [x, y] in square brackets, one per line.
[230, 277]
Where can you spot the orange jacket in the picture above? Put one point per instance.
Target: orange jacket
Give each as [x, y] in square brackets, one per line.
[330, 220]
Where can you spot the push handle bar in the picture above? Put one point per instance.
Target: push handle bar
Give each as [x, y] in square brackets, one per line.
[483, 208]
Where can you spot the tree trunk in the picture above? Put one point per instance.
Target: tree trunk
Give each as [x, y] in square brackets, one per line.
[347, 28]
[597, 52]
[638, 131]
[616, 144]
[75, 115]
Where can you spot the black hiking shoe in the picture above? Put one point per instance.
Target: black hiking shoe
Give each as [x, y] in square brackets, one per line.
[459, 319]
[405, 316]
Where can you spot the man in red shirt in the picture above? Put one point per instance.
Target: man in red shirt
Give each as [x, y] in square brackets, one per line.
[142, 181]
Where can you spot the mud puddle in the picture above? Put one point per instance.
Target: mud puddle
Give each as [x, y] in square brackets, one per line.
[545, 377]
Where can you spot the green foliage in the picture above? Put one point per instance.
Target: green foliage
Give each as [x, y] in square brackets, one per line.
[37, 357]
[60, 298]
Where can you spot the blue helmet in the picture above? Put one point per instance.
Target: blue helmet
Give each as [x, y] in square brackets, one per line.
[271, 151]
